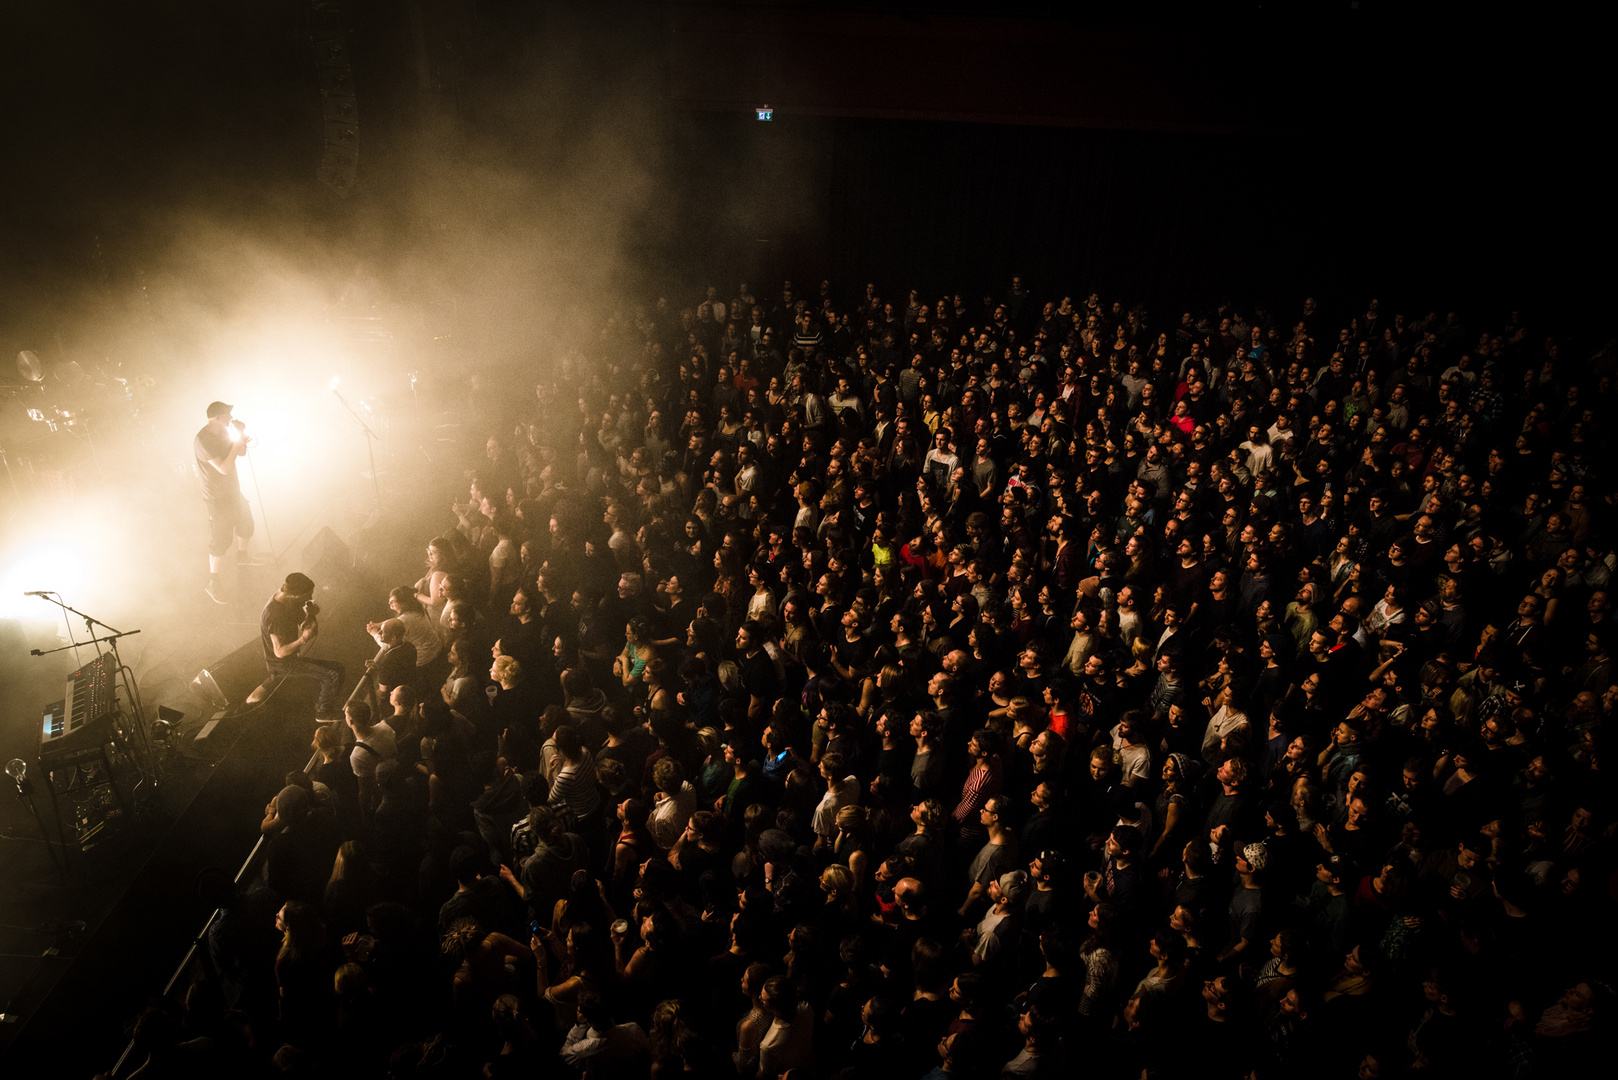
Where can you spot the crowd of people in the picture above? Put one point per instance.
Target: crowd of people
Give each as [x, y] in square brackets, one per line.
[834, 687]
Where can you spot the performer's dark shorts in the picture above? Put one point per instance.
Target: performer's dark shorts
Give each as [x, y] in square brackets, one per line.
[225, 518]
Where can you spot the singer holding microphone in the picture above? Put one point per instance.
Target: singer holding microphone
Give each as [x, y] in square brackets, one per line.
[288, 627]
[218, 446]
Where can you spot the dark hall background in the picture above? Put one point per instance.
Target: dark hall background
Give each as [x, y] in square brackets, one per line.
[1167, 153]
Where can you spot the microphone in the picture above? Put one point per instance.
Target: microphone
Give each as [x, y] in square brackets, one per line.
[46, 592]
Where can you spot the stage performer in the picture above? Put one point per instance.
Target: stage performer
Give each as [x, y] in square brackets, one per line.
[288, 628]
[228, 512]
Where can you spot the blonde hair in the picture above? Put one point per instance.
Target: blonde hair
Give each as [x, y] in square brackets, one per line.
[506, 668]
[1023, 711]
[838, 880]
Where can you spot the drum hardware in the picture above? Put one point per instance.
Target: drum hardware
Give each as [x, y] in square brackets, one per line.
[35, 370]
[30, 367]
[5, 459]
[59, 419]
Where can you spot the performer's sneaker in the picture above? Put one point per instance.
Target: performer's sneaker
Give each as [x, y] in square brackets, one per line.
[245, 558]
[216, 593]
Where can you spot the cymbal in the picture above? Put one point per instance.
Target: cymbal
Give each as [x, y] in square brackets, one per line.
[29, 366]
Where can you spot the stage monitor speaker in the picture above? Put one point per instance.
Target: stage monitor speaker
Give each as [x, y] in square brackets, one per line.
[327, 558]
[204, 687]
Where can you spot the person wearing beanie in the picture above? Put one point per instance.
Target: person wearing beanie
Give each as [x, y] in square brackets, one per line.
[291, 805]
[1247, 905]
[288, 628]
[302, 846]
[993, 937]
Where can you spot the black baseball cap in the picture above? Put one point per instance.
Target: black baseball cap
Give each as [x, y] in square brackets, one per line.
[218, 408]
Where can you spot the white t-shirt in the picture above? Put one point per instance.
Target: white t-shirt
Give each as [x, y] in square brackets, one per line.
[1221, 725]
[1381, 618]
[422, 632]
[939, 466]
[988, 943]
[669, 817]
[839, 402]
[1078, 651]
[761, 604]
[505, 561]
[746, 479]
[788, 1046]
[379, 745]
[1258, 457]
[846, 793]
[1136, 760]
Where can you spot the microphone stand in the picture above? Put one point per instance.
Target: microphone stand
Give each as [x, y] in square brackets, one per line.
[25, 795]
[247, 446]
[371, 439]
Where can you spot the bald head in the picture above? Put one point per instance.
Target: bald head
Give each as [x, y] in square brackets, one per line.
[911, 894]
[393, 632]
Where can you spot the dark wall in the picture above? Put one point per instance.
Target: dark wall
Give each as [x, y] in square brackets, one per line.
[1456, 164]
[1169, 219]
[1425, 154]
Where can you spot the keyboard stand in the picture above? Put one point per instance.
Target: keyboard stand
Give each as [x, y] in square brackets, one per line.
[77, 789]
[129, 723]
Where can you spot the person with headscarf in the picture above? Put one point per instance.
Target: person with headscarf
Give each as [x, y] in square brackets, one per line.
[1175, 809]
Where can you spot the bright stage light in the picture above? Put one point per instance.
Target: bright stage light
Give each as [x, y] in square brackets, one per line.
[54, 565]
[335, 379]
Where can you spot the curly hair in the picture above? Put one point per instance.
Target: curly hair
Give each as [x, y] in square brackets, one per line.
[462, 937]
[932, 814]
